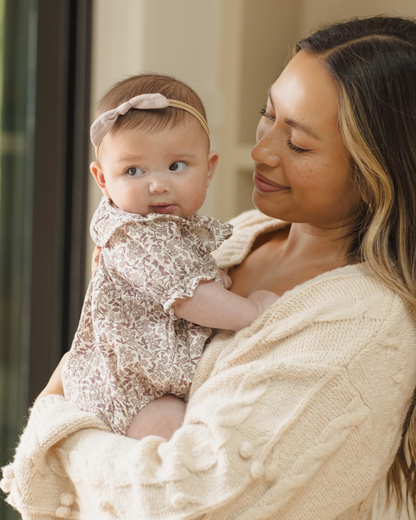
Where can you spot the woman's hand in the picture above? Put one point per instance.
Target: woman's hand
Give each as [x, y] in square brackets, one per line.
[263, 299]
[54, 386]
[226, 280]
[95, 259]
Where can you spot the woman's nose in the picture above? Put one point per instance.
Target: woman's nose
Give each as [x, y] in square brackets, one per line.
[265, 151]
[158, 184]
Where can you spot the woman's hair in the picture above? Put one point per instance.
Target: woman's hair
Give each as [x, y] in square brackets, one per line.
[373, 63]
[156, 119]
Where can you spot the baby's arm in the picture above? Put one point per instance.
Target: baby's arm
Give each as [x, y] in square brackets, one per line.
[215, 307]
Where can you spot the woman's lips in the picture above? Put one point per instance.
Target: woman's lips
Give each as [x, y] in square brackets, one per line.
[163, 208]
[262, 184]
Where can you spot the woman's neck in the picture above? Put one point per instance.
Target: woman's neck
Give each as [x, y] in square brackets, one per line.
[285, 258]
[307, 242]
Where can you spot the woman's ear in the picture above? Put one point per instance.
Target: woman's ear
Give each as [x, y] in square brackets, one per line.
[97, 172]
[212, 165]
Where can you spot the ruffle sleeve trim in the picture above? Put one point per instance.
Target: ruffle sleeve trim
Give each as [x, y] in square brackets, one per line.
[178, 293]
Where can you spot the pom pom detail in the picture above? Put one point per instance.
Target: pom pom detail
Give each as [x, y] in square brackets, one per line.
[179, 501]
[257, 470]
[6, 485]
[67, 499]
[8, 472]
[246, 450]
[63, 512]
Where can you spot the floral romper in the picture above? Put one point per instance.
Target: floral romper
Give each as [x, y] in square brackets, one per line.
[130, 348]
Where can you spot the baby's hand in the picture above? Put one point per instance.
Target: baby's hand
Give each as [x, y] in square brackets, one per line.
[226, 280]
[263, 299]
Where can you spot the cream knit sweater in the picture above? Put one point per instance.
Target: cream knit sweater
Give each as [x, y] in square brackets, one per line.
[298, 417]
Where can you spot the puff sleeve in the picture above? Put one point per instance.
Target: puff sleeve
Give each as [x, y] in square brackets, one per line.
[169, 256]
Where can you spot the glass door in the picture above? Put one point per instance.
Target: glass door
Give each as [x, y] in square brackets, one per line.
[44, 147]
[17, 113]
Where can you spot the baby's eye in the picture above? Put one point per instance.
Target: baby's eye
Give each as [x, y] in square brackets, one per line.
[134, 171]
[178, 166]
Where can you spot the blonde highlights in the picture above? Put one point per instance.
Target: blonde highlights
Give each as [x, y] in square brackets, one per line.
[373, 63]
[382, 215]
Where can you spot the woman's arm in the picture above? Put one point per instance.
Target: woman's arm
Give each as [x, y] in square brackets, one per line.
[300, 418]
[54, 385]
[161, 417]
[252, 456]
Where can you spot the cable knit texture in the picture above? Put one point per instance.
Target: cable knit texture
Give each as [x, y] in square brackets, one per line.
[297, 417]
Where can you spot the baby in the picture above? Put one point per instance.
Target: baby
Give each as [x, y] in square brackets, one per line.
[157, 291]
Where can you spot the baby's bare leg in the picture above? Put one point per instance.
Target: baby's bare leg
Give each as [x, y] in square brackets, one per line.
[161, 417]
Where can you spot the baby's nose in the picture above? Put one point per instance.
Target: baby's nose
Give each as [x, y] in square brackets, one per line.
[158, 184]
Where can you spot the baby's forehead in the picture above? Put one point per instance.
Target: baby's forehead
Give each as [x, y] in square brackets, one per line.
[184, 138]
[184, 129]
[153, 120]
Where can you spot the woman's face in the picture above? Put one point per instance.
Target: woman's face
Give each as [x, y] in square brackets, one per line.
[302, 169]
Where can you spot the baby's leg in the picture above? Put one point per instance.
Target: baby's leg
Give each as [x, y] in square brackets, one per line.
[161, 417]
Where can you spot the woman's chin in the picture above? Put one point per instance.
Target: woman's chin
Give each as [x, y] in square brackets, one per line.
[269, 208]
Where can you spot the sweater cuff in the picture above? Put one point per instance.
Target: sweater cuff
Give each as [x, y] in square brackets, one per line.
[52, 419]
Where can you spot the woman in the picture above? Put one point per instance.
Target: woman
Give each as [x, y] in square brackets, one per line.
[301, 414]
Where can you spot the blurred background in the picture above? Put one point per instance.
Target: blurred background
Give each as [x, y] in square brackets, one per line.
[57, 58]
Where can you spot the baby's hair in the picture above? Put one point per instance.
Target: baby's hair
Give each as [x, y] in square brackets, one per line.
[156, 119]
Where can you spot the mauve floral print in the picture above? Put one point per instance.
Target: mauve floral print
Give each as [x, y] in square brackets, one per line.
[129, 347]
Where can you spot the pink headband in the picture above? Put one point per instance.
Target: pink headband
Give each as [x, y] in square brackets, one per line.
[104, 123]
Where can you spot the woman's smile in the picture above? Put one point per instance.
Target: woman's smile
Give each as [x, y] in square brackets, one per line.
[265, 185]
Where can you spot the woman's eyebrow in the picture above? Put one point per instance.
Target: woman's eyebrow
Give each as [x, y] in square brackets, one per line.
[294, 124]
[304, 128]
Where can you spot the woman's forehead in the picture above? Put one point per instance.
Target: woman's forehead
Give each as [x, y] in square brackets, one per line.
[305, 93]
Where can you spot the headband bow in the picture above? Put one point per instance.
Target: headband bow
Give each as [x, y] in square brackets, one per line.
[104, 123]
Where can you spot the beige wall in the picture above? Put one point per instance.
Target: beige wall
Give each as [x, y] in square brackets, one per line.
[229, 51]
[314, 13]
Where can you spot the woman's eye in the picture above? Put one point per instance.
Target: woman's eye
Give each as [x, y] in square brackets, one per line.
[265, 113]
[296, 148]
[177, 166]
[134, 171]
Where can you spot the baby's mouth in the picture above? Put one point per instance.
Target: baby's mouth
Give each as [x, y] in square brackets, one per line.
[163, 208]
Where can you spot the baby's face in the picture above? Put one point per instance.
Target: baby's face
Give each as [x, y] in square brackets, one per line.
[165, 171]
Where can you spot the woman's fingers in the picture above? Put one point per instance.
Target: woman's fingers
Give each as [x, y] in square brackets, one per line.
[54, 385]
[226, 280]
[95, 259]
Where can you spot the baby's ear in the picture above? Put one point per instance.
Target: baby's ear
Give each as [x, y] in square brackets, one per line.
[212, 165]
[98, 174]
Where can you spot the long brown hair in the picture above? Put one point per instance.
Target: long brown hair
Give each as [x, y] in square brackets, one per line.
[373, 63]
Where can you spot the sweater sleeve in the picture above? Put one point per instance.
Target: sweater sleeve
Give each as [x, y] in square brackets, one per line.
[279, 435]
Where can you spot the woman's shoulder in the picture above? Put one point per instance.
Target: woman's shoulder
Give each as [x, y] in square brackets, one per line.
[332, 320]
[246, 228]
[349, 292]
[253, 222]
